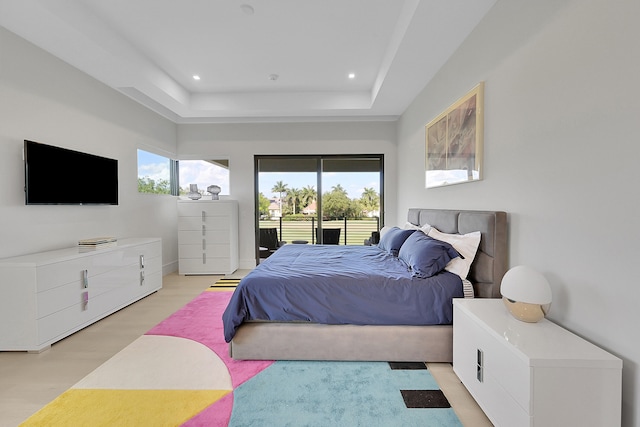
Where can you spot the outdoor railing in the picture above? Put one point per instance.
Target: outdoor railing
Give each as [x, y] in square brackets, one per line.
[352, 231]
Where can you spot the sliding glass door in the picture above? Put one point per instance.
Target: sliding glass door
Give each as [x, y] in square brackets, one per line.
[318, 199]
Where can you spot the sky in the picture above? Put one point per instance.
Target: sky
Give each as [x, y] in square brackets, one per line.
[353, 183]
[205, 174]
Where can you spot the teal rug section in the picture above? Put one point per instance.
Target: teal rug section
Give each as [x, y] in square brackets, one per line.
[321, 394]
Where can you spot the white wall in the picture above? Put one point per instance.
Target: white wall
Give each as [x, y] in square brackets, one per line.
[561, 156]
[240, 142]
[46, 100]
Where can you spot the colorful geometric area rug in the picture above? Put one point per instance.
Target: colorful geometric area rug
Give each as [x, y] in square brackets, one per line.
[179, 374]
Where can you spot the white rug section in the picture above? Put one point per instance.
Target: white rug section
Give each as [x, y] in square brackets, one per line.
[154, 362]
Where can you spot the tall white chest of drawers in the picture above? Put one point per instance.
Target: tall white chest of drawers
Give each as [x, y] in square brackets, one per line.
[47, 296]
[207, 236]
[533, 374]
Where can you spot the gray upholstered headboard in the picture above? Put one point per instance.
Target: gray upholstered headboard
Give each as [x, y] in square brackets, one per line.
[491, 261]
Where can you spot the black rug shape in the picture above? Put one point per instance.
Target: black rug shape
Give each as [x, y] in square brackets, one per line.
[425, 399]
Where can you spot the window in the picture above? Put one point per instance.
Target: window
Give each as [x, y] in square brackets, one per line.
[161, 175]
[154, 173]
[204, 173]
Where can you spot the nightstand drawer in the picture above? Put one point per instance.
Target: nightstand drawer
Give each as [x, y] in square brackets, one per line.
[500, 404]
[481, 359]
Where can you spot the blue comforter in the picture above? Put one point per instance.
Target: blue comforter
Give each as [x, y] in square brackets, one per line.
[361, 285]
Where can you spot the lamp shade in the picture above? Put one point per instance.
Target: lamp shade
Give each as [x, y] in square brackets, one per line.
[526, 293]
[524, 284]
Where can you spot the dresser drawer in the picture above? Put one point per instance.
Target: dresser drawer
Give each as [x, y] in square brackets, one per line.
[211, 236]
[210, 223]
[208, 266]
[203, 209]
[208, 249]
[56, 274]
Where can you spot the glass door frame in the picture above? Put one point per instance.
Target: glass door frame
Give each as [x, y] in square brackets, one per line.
[319, 163]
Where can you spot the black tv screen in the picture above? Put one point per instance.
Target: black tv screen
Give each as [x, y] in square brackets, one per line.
[59, 176]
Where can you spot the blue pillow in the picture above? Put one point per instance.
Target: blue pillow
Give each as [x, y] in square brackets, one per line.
[392, 240]
[426, 256]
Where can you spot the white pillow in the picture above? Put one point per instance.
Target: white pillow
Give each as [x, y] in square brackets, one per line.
[410, 226]
[466, 244]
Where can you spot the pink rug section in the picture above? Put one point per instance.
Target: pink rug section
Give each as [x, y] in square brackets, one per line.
[201, 320]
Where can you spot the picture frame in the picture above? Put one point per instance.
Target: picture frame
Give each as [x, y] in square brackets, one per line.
[454, 142]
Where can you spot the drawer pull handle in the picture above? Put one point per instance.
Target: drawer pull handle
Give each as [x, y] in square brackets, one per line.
[204, 215]
[204, 258]
[141, 278]
[204, 230]
[85, 278]
[480, 365]
[204, 245]
[85, 300]
[141, 261]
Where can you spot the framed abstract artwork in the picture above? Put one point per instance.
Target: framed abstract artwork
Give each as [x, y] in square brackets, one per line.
[454, 142]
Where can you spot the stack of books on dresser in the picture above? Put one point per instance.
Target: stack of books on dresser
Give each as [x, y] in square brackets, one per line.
[97, 243]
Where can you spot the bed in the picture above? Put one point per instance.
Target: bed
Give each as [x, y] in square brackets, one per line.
[257, 328]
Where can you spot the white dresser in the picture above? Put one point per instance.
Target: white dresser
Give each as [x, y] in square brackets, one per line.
[47, 296]
[533, 374]
[207, 236]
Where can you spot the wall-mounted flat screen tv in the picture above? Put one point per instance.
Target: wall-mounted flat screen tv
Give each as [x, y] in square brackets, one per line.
[59, 176]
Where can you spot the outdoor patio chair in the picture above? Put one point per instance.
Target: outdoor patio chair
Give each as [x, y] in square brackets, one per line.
[269, 242]
[330, 236]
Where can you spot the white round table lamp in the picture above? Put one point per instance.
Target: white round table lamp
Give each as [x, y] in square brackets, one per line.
[526, 293]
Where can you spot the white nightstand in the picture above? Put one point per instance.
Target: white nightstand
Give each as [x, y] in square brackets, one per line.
[533, 374]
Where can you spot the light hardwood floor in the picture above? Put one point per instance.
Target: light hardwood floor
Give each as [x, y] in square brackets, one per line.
[29, 381]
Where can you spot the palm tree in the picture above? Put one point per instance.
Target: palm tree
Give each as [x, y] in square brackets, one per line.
[308, 195]
[338, 189]
[294, 197]
[280, 188]
[370, 199]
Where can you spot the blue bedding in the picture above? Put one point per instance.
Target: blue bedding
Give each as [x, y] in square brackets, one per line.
[361, 285]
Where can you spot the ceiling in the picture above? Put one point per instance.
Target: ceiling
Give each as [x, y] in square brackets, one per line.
[258, 60]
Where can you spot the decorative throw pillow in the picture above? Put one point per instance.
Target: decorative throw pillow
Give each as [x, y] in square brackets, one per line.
[392, 240]
[465, 244]
[384, 230]
[426, 256]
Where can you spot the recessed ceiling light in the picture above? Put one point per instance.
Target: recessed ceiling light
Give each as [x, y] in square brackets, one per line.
[352, 75]
[196, 77]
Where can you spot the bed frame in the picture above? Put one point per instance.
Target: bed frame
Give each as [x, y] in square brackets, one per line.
[311, 341]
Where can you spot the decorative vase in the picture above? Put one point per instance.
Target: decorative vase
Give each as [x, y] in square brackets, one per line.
[214, 190]
[193, 192]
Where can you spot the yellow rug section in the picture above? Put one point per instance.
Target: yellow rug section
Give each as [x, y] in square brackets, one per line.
[123, 408]
[224, 285]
